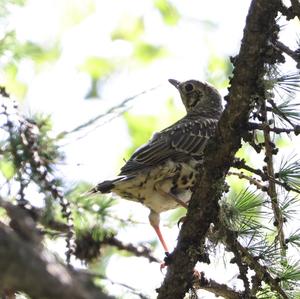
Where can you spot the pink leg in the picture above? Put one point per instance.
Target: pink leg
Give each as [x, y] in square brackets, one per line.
[160, 237]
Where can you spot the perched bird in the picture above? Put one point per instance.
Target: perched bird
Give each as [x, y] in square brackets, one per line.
[161, 173]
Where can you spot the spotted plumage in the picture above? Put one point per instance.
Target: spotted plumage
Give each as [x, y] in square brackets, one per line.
[162, 173]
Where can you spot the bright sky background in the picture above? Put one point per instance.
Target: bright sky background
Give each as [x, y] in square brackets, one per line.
[60, 88]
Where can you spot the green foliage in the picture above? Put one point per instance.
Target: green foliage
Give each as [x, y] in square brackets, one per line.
[76, 11]
[7, 168]
[218, 71]
[294, 238]
[97, 67]
[287, 111]
[146, 124]
[169, 12]
[146, 52]
[289, 273]
[287, 83]
[129, 29]
[289, 206]
[242, 212]
[266, 293]
[289, 171]
[4, 4]
[89, 210]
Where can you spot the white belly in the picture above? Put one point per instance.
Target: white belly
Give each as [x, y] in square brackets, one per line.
[151, 187]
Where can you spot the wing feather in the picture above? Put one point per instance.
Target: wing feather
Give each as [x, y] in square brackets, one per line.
[185, 139]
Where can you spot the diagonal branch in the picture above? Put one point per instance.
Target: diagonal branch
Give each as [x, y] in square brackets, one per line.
[123, 106]
[216, 288]
[252, 262]
[219, 154]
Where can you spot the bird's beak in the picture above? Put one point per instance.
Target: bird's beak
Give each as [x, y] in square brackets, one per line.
[174, 82]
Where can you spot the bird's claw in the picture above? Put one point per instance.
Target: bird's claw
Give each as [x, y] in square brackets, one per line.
[181, 220]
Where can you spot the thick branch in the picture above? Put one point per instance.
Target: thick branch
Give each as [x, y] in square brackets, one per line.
[36, 272]
[219, 154]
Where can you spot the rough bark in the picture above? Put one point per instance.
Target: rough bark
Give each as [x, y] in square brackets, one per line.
[27, 267]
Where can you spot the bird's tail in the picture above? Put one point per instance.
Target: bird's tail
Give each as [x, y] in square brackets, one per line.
[108, 186]
[104, 187]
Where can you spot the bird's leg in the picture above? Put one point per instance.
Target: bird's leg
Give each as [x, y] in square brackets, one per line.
[161, 239]
[154, 221]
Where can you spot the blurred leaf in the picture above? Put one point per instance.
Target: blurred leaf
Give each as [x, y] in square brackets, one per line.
[146, 52]
[97, 67]
[75, 11]
[218, 70]
[129, 29]
[90, 209]
[7, 168]
[12, 84]
[176, 215]
[168, 11]
[5, 3]
[141, 128]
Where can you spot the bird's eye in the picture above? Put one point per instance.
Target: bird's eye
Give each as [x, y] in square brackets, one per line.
[188, 87]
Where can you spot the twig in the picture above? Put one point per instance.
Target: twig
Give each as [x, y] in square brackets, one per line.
[256, 126]
[251, 180]
[88, 247]
[274, 106]
[240, 164]
[137, 251]
[261, 271]
[131, 289]
[243, 268]
[216, 288]
[272, 192]
[24, 143]
[281, 46]
[98, 117]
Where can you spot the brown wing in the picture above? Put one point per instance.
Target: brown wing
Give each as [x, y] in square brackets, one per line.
[185, 139]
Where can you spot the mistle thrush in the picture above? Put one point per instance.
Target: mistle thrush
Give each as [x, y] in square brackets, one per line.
[161, 173]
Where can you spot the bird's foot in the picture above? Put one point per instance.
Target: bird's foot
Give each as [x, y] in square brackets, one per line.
[181, 221]
[166, 262]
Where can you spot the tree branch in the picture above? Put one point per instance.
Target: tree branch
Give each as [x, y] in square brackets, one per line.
[219, 154]
[272, 192]
[135, 250]
[36, 272]
[252, 262]
[216, 288]
[240, 164]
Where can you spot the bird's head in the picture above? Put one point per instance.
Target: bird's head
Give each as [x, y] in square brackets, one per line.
[199, 97]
